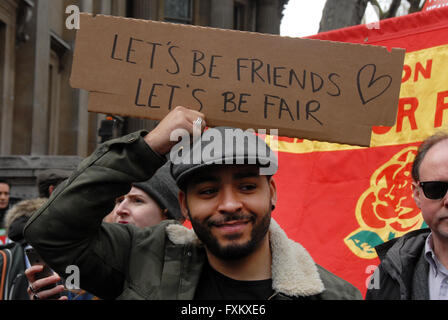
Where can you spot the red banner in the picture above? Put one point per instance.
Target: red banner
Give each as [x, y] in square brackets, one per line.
[341, 201]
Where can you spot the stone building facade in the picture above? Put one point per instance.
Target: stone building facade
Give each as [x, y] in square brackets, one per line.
[44, 122]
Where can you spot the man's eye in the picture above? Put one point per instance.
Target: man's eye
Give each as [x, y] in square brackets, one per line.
[248, 187]
[138, 200]
[207, 191]
[119, 200]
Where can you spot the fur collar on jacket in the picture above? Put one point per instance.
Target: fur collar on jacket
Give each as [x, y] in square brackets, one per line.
[294, 272]
[24, 208]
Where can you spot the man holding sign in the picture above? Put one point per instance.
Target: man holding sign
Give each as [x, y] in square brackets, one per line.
[235, 250]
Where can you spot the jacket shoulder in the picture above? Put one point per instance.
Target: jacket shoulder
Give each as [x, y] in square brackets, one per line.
[337, 288]
[411, 239]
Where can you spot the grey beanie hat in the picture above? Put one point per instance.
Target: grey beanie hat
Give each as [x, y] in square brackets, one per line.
[163, 189]
[221, 145]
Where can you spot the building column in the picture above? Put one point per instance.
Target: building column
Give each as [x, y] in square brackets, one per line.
[221, 15]
[103, 7]
[269, 14]
[82, 98]
[119, 8]
[30, 128]
[7, 73]
[39, 138]
[106, 7]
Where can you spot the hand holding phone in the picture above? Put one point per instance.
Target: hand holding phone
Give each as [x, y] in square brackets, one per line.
[35, 259]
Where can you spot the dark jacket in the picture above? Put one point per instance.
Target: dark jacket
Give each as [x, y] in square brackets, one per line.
[160, 262]
[13, 282]
[403, 271]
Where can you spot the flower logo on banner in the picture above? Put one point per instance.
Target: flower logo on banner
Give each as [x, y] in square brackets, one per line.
[386, 209]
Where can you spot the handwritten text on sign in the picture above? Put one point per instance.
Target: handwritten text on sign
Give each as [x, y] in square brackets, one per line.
[144, 69]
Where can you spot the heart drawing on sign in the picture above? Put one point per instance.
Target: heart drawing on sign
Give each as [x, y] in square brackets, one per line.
[370, 89]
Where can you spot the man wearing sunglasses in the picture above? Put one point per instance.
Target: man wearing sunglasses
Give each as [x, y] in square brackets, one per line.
[415, 266]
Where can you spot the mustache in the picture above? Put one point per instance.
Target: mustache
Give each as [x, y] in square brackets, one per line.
[230, 217]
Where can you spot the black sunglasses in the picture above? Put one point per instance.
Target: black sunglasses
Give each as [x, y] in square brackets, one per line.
[434, 189]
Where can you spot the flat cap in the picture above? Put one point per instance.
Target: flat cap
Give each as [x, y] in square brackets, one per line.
[50, 177]
[221, 145]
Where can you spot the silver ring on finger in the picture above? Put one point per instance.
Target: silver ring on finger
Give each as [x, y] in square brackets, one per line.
[197, 122]
[32, 289]
[36, 296]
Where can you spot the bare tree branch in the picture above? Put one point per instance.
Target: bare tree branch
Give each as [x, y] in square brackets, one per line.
[415, 6]
[376, 4]
[392, 10]
[339, 14]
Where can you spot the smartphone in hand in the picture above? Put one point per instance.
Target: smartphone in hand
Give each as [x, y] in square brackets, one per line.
[35, 259]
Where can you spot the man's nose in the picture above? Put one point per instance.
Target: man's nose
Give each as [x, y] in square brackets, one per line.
[229, 201]
[445, 200]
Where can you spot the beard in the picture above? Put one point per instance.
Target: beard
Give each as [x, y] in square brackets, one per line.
[233, 251]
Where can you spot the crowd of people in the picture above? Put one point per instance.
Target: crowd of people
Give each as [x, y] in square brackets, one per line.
[119, 218]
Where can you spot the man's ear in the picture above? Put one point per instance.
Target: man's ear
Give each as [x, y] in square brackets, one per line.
[416, 193]
[183, 204]
[164, 214]
[273, 191]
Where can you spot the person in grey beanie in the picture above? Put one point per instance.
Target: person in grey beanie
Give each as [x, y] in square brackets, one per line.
[149, 202]
[163, 189]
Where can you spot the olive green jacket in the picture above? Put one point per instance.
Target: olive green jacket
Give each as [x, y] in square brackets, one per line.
[162, 262]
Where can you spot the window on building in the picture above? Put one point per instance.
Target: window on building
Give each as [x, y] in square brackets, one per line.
[179, 11]
[244, 15]
[129, 8]
[58, 50]
[239, 16]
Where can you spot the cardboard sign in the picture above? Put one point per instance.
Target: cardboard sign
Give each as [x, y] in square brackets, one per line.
[311, 89]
